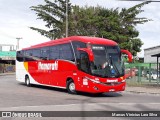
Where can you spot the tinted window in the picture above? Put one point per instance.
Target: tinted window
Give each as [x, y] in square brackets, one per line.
[66, 52]
[36, 54]
[77, 44]
[113, 49]
[28, 55]
[19, 56]
[54, 52]
[84, 62]
[45, 53]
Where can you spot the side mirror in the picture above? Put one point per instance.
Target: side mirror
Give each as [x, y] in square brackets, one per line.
[127, 53]
[89, 52]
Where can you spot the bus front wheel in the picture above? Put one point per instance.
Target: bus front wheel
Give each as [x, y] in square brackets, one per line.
[71, 87]
[27, 81]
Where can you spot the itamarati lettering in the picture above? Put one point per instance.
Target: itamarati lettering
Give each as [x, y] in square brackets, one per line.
[48, 66]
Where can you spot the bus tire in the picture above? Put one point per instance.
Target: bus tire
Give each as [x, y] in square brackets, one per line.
[27, 81]
[71, 87]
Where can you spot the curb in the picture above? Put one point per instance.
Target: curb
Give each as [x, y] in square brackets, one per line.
[142, 92]
[3, 74]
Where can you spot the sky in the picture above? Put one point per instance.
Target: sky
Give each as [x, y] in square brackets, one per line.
[16, 17]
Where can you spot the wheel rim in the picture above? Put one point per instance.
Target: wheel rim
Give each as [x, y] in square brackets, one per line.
[27, 81]
[72, 87]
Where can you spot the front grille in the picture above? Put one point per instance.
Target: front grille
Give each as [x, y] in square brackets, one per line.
[112, 83]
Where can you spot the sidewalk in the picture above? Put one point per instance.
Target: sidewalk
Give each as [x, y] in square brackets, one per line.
[11, 73]
[143, 89]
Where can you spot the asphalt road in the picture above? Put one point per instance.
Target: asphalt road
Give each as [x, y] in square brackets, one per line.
[15, 96]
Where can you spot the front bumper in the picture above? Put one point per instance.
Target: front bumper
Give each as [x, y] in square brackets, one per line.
[99, 87]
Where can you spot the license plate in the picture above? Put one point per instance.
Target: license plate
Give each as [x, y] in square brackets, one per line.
[111, 90]
[112, 80]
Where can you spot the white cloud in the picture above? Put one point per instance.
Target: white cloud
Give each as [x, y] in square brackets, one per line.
[105, 3]
[16, 18]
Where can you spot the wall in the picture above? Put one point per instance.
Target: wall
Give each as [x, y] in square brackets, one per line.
[5, 68]
[151, 51]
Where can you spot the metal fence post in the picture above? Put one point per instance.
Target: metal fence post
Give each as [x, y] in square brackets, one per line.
[139, 74]
[149, 72]
[159, 73]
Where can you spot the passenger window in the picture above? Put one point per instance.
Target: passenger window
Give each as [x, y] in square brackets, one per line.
[45, 53]
[77, 44]
[84, 62]
[28, 55]
[20, 56]
[36, 54]
[54, 52]
[66, 52]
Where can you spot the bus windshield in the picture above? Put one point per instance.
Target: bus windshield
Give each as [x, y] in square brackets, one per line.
[107, 61]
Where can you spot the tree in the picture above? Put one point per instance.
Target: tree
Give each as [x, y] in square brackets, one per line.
[114, 24]
[128, 22]
[84, 19]
[54, 15]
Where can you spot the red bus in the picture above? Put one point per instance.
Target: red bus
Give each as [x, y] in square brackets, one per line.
[76, 63]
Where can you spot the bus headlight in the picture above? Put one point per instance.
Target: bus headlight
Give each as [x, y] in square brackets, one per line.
[123, 79]
[93, 80]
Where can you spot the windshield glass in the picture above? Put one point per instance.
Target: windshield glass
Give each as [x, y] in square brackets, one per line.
[107, 61]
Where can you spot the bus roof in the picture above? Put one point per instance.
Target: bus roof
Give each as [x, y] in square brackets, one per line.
[85, 39]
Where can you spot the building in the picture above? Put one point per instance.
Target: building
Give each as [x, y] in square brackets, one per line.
[7, 57]
[148, 52]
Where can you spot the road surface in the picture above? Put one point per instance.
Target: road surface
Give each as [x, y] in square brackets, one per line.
[15, 96]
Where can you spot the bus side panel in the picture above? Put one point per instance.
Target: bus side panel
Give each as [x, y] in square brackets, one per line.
[20, 72]
[39, 71]
[65, 70]
[80, 84]
[51, 72]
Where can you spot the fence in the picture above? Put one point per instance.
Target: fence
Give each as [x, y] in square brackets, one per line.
[136, 74]
[142, 73]
[5, 68]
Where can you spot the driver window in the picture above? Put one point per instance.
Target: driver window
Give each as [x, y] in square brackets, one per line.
[84, 62]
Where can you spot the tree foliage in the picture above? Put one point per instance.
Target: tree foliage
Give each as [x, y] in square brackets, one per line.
[53, 13]
[115, 24]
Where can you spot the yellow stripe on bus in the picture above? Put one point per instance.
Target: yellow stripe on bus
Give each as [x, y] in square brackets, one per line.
[26, 65]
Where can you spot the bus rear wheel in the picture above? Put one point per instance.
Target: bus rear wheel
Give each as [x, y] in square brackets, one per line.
[27, 81]
[71, 87]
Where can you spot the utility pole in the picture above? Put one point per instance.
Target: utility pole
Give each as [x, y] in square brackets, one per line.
[18, 39]
[66, 18]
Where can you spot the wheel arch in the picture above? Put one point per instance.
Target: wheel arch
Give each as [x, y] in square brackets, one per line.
[26, 76]
[69, 78]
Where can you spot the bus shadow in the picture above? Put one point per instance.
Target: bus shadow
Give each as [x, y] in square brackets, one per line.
[46, 87]
[98, 95]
